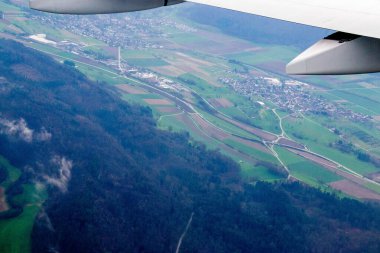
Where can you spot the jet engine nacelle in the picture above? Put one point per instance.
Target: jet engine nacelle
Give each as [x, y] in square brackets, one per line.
[338, 54]
[97, 6]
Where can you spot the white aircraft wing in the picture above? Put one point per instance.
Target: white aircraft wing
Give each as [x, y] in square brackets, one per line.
[360, 17]
[354, 49]
[342, 53]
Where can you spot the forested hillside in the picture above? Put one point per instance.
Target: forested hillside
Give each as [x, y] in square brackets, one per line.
[118, 184]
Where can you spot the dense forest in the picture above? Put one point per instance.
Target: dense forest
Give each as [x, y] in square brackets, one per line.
[119, 184]
[255, 28]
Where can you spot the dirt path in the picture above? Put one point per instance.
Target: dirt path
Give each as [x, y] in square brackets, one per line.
[184, 233]
[283, 133]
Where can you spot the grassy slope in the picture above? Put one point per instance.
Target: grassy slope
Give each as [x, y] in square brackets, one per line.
[15, 232]
[255, 173]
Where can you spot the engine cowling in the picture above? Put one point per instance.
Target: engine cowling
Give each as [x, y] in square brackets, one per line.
[338, 54]
[97, 6]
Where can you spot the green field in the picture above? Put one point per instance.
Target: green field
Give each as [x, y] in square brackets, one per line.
[146, 62]
[259, 155]
[172, 124]
[255, 173]
[97, 75]
[134, 54]
[228, 127]
[318, 138]
[15, 232]
[267, 54]
[362, 100]
[186, 38]
[305, 170]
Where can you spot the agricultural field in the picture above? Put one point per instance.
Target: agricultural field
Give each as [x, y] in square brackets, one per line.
[305, 170]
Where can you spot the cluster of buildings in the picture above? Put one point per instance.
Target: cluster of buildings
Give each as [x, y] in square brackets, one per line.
[290, 95]
[116, 30]
[156, 80]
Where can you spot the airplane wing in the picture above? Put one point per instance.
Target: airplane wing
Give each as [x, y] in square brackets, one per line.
[354, 49]
[342, 53]
[360, 17]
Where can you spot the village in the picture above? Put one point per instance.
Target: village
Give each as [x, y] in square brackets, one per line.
[290, 95]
